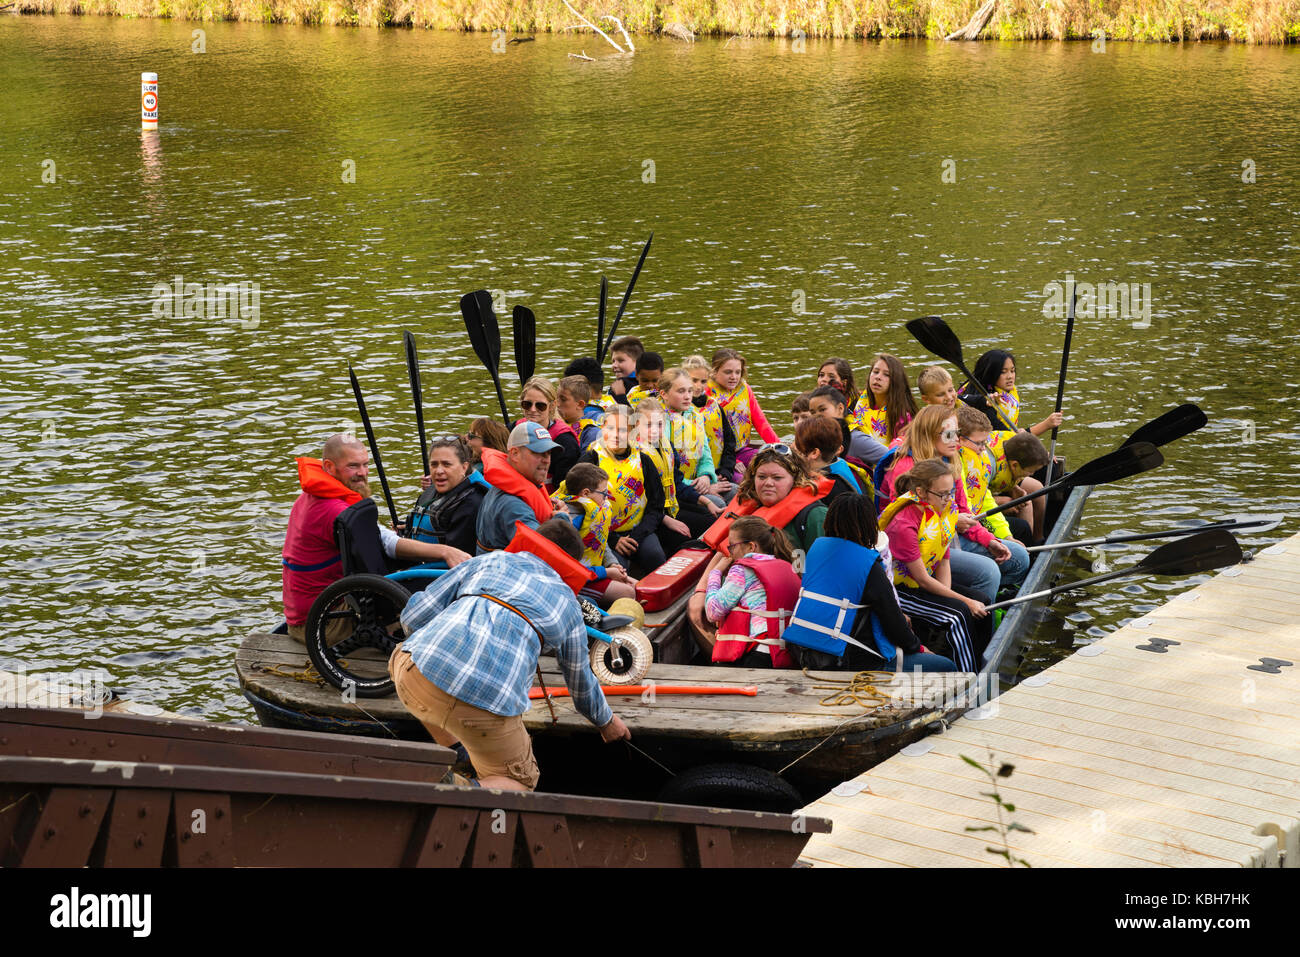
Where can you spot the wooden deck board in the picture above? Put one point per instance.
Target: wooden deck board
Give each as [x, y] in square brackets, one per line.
[1124, 757]
[787, 706]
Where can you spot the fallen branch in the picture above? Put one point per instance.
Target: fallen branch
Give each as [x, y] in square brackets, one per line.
[581, 56]
[972, 30]
[626, 38]
[592, 26]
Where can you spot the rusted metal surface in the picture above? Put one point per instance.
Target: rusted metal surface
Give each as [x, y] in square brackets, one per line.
[66, 812]
[41, 732]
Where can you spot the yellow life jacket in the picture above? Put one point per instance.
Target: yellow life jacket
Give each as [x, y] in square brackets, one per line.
[736, 406]
[936, 532]
[873, 422]
[978, 469]
[627, 499]
[1001, 482]
[689, 436]
[606, 401]
[595, 524]
[663, 460]
[640, 393]
[711, 417]
[1008, 403]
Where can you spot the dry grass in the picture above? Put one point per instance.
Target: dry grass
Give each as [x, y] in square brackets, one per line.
[1269, 21]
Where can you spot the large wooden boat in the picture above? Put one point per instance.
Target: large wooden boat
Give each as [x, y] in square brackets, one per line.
[787, 743]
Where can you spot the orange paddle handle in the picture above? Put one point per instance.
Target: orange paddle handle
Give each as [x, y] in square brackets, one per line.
[749, 690]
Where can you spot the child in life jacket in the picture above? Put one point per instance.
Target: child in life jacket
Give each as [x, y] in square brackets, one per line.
[936, 387]
[584, 498]
[1016, 457]
[800, 409]
[886, 405]
[737, 400]
[573, 400]
[722, 439]
[996, 372]
[648, 370]
[838, 373]
[751, 595]
[623, 353]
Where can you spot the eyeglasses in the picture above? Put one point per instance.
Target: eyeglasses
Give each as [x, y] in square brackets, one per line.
[603, 495]
[948, 435]
[528, 405]
[943, 496]
[732, 546]
[473, 436]
[981, 444]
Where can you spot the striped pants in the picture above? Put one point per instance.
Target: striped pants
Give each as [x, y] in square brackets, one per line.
[946, 612]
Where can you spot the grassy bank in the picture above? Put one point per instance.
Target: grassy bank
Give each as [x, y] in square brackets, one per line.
[1270, 21]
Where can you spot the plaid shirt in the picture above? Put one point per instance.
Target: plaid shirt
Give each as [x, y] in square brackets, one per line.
[484, 654]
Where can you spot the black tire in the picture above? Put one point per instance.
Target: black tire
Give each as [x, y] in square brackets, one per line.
[373, 603]
[740, 786]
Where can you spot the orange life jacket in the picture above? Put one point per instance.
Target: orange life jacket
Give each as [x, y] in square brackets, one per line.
[778, 516]
[500, 474]
[574, 573]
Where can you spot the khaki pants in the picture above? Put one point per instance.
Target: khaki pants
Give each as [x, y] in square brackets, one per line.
[497, 746]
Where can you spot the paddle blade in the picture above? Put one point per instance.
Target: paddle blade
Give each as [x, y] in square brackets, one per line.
[1174, 424]
[1113, 466]
[476, 324]
[525, 329]
[933, 333]
[1202, 552]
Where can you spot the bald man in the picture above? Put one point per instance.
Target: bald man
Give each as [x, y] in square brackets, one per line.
[311, 559]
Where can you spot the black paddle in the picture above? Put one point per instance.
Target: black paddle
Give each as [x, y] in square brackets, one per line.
[485, 337]
[613, 329]
[1254, 525]
[413, 372]
[1060, 385]
[525, 326]
[374, 446]
[933, 333]
[1200, 553]
[1174, 424]
[1111, 467]
[600, 320]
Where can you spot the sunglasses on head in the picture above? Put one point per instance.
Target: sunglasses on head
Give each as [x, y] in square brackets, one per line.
[528, 405]
[780, 448]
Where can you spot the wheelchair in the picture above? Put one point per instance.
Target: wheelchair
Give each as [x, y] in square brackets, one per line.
[355, 624]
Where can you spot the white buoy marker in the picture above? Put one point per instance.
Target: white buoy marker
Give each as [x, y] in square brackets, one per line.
[149, 101]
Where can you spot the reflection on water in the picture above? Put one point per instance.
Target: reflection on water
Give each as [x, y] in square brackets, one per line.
[365, 180]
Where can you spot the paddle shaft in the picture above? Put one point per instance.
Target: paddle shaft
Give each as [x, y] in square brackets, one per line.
[413, 372]
[600, 320]
[1060, 385]
[1017, 502]
[374, 446]
[613, 328]
[1147, 536]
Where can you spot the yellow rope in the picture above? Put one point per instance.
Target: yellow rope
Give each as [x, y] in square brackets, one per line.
[309, 674]
[859, 690]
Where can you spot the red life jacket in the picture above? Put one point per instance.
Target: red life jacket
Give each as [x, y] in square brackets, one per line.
[500, 474]
[778, 516]
[781, 585]
[310, 560]
[574, 573]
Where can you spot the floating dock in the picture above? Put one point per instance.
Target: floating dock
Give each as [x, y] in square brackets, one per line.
[1173, 742]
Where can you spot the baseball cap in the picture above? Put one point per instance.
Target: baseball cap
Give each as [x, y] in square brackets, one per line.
[532, 436]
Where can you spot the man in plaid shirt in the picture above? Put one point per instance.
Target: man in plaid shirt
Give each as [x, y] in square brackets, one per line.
[474, 639]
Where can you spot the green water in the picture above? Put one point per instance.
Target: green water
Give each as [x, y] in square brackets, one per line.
[149, 458]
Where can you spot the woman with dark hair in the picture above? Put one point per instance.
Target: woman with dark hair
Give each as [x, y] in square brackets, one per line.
[846, 573]
[996, 372]
[780, 488]
[446, 512]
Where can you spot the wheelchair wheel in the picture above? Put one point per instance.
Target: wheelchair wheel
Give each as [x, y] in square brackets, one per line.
[629, 665]
[352, 628]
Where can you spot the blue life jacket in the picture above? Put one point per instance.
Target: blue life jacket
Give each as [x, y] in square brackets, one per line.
[834, 580]
[841, 468]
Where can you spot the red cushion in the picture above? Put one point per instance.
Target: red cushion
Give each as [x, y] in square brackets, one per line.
[672, 579]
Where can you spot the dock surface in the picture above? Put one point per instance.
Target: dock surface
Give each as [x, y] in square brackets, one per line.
[1173, 742]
